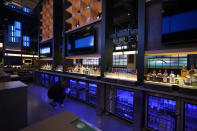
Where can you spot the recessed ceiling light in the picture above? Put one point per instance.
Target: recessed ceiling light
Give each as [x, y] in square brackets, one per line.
[128, 13]
[6, 19]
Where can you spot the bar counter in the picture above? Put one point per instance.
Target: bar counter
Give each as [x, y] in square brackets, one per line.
[148, 86]
[126, 99]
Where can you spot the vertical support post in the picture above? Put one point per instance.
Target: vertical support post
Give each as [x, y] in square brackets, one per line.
[39, 36]
[139, 107]
[106, 43]
[57, 29]
[141, 41]
[180, 115]
[100, 99]
[64, 43]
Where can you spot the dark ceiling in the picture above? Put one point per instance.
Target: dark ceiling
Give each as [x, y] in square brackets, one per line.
[125, 14]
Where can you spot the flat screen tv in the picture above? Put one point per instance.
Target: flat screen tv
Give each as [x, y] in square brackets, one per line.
[45, 50]
[82, 44]
[179, 22]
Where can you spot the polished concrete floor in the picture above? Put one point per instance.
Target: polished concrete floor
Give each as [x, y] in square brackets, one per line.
[39, 109]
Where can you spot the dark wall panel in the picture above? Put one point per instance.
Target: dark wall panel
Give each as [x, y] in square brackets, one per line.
[154, 30]
[12, 60]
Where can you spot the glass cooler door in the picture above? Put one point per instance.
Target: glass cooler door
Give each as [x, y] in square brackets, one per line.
[82, 91]
[124, 104]
[46, 80]
[161, 114]
[51, 80]
[56, 79]
[190, 117]
[42, 79]
[92, 93]
[73, 88]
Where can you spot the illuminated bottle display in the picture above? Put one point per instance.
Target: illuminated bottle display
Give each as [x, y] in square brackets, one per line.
[194, 78]
[124, 104]
[188, 79]
[92, 93]
[42, 79]
[190, 117]
[82, 91]
[165, 77]
[73, 88]
[161, 114]
[154, 75]
[46, 80]
[172, 78]
[183, 71]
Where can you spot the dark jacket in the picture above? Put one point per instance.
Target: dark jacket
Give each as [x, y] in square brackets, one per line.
[57, 91]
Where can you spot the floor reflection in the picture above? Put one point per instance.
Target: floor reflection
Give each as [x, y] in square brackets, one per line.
[39, 109]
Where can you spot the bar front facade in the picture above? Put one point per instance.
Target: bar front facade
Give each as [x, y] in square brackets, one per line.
[134, 59]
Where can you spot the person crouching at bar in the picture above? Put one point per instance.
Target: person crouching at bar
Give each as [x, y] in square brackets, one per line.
[57, 93]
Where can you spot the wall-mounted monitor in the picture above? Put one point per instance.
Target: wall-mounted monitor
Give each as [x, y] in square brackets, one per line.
[45, 50]
[179, 22]
[82, 42]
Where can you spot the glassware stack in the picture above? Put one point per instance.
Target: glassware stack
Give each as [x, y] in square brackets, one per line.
[122, 73]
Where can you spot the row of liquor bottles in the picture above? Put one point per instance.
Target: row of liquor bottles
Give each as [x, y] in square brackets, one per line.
[187, 77]
[81, 69]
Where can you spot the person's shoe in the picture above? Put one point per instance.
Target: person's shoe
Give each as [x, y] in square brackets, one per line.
[53, 104]
[62, 105]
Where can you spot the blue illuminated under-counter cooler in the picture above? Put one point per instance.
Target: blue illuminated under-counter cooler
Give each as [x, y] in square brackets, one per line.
[82, 91]
[42, 79]
[73, 88]
[56, 79]
[161, 114]
[51, 80]
[124, 104]
[190, 117]
[46, 83]
[92, 93]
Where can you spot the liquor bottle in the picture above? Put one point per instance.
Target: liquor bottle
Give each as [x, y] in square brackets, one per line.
[194, 78]
[188, 79]
[154, 75]
[165, 76]
[159, 76]
[148, 76]
[191, 71]
[183, 71]
[180, 80]
[172, 78]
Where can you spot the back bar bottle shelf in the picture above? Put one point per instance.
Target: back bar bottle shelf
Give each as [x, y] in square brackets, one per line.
[46, 20]
[83, 12]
